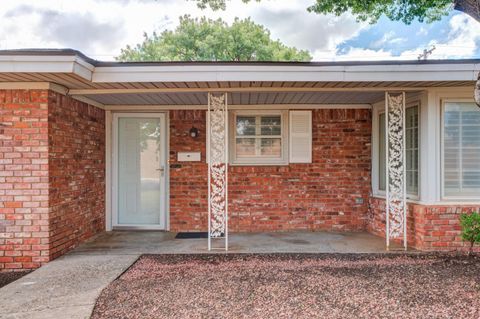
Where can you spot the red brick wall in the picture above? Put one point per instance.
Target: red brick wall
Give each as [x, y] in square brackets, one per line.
[428, 227]
[317, 196]
[376, 221]
[188, 181]
[24, 228]
[76, 134]
[52, 181]
[439, 227]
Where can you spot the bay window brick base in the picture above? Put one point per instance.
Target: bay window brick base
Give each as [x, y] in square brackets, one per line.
[429, 227]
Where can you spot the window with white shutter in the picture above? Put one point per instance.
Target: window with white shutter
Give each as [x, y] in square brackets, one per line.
[300, 136]
[461, 150]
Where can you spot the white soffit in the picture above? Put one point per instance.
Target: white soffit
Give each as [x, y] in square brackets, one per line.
[254, 98]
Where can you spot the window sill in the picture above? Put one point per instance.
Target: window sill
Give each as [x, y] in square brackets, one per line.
[382, 194]
[449, 202]
[458, 201]
[411, 200]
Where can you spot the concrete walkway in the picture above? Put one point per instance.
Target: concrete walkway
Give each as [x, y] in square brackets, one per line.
[68, 286]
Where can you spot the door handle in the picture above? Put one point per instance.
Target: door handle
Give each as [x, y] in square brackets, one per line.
[161, 170]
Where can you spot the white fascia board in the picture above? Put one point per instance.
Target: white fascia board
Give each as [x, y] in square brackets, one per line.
[83, 69]
[360, 73]
[46, 64]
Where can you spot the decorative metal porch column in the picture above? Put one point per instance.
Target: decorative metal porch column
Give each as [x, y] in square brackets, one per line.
[217, 154]
[396, 203]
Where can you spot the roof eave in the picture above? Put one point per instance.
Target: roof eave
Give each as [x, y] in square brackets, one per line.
[47, 64]
[71, 61]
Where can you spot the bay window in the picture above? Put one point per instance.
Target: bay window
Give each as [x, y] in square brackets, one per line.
[461, 150]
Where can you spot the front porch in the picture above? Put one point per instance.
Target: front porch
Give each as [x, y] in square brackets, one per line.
[155, 242]
[92, 146]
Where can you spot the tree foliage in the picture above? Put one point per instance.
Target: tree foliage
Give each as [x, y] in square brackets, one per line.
[405, 10]
[212, 40]
[371, 10]
[215, 4]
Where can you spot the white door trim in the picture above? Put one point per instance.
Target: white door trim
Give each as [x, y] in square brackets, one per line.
[164, 222]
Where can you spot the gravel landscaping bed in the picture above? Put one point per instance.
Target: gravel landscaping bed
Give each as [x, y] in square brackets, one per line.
[295, 286]
[8, 277]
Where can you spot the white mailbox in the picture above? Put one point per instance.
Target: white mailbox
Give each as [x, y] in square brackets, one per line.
[188, 156]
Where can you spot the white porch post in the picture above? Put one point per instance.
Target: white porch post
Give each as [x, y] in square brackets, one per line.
[217, 155]
[396, 200]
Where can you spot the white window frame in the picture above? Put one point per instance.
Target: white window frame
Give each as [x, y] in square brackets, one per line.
[444, 197]
[257, 160]
[376, 150]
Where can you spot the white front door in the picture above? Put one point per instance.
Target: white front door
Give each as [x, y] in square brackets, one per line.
[139, 168]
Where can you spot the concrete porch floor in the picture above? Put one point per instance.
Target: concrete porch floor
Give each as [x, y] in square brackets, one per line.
[69, 286]
[154, 242]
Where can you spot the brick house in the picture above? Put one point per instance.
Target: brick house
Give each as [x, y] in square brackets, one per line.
[89, 146]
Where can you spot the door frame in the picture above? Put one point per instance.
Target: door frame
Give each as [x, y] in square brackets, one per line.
[164, 188]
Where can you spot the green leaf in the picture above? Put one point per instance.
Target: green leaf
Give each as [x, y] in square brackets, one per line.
[470, 227]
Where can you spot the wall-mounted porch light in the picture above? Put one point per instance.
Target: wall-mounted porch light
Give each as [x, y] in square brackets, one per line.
[194, 132]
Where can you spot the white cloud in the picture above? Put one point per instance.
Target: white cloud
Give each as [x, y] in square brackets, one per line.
[364, 54]
[461, 41]
[69, 29]
[387, 38]
[422, 31]
[97, 28]
[296, 27]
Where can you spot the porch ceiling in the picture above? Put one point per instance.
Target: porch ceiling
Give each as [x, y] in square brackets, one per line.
[73, 81]
[242, 98]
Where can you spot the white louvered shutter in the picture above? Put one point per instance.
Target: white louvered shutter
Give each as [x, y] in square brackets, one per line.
[300, 137]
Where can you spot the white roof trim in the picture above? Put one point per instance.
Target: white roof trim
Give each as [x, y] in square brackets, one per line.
[356, 73]
[46, 64]
[453, 71]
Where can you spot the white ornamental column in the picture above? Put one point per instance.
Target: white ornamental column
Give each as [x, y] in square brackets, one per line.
[396, 200]
[217, 154]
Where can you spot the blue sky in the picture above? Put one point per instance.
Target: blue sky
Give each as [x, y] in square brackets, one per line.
[398, 38]
[100, 28]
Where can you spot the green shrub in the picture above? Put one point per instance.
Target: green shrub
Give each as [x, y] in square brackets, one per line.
[470, 228]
